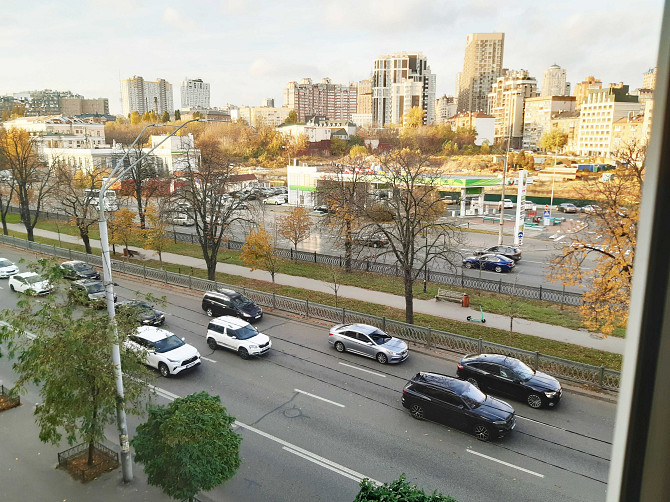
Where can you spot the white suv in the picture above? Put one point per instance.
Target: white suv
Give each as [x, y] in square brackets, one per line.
[238, 335]
[163, 350]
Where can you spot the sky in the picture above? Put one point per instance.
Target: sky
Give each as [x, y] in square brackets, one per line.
[248, 50]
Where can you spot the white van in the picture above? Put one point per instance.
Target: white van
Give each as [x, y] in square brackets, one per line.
[92, 197]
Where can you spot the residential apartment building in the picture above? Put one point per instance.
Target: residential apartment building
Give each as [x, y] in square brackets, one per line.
[71, 107]
[62, 132]
[599, 111]
[363, 115]
[482, 65]
[628, 130]
[649, 78]
[445, 107]
[483, 124]
[582, 89]
[568, 123]
[538, 114]
[50, 103]
[257, 116]
[400, 82]
[554, 82]
[323, 99]
[506, 102]
[194, 93]
[142, 96]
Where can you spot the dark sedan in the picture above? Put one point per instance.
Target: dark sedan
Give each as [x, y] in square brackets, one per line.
[457, 404]
[146, 314]
[494, 262]
[508, 251]
[510, 377]
[76, 269]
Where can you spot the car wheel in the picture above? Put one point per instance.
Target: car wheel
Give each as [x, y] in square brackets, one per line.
[473, 381]
[210, 313]
[534, 400]
[339, 346]
[416, 410]
[381, 358]
[468, 264]
[165, 371]
[498, 268]
[244, 354]
[482, 432]
[11, 286]
[211, 343]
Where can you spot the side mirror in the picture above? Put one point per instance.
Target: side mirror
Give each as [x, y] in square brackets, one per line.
[116, 284]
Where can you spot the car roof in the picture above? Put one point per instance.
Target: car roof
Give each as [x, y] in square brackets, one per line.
[228, 292]
[152, 333]
[360, 327]
[489, 358]
[26, 274]
[87, 282]
[229, 321]
[497, 255]
[442, 381]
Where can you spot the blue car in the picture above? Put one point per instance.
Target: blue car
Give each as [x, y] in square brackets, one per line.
[494, 262]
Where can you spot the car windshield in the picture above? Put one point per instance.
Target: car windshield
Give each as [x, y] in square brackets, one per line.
[169, 343]
[241, 301]
[379, 337]
[5, 263]
[34, 279]
[524, 372]
[82, 267]
[473, 397]
[245, 332]
[96, 287]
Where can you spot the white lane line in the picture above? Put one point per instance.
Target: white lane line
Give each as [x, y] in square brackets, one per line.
[541, 423]
[559, 238]
[507, 464]
[361, 369]
[318, 397]
[345, 474]
[208, 359]
[28, 334]
[162, 392]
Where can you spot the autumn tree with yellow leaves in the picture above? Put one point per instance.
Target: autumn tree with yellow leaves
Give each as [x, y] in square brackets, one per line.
[295, 227]
[258, 251]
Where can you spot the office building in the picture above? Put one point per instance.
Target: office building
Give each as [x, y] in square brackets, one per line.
[194, 93]
[554, 82]
[323, 99]
[142, 96]
[400, 82]
[482, 65]
[506, 102]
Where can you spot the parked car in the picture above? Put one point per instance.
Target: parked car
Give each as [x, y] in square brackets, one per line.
[507, 204]
[228, 302]
[146, 313]
[31, 283]
[89, 292]
[276, 200]
[368, 341]
[528, 204]
[495, 262]
[591, 209]
[183, 219]
[507, 376]
[162, 350]
[457, 404]
[7, 268]
[237, 335]
[567, 207]
[76, 269]
[375, 240]
[507, 251]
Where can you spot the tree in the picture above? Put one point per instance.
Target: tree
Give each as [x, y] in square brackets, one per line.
[358, 150]
[123, 228]
[177, 115]
[295, 227]
[554, 140]
[6, 193]
[156, 233]
[292, 117]
[258, 251]
[33, 178]
[414, 118]
[188, 446]
[165, 117]
[135, 118]
[399, 490]
[69, 358]
[338, 147]
[606, 298]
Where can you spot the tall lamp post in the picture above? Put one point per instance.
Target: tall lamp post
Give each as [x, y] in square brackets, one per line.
[502, 194]
[117, 172]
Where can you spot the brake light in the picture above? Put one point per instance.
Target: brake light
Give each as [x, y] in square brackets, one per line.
[459, 366]
[331, 333]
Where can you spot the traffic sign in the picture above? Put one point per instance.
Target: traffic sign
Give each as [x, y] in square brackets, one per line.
[546, 207]
[547, 213]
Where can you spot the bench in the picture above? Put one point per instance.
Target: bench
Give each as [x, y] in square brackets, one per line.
[491, 218]
[448, 295]
[531, 224]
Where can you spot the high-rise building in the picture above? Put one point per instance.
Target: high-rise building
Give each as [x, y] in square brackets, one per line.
[194, 93]
[325, 99]
[554, 82]
[400, 82]
[599, 111]
[582, 89]
[268, 102]
[482, 66]
[139, 95]
[506, 101]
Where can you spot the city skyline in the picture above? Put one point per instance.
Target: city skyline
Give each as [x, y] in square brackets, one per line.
[250, 50]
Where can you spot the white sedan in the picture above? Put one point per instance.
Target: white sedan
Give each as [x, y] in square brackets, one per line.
[30, 282]
[275, 199]
[7, 268]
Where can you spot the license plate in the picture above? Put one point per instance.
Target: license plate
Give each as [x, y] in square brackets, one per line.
[191, 364]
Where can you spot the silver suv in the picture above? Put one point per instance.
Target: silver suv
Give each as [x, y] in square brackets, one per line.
[237, 335]
[368, 341]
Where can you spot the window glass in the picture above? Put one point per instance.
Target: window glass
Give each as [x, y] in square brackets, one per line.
[362, 338]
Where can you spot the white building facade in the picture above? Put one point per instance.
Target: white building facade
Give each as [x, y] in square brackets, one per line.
[482, 65]
[506, 102]
[142, 96]
[194, 93]
[554, 82]
[62, 132]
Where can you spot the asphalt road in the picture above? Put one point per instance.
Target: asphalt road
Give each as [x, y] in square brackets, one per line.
[315, 422]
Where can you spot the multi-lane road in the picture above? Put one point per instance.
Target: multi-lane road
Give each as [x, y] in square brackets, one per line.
[314, 422]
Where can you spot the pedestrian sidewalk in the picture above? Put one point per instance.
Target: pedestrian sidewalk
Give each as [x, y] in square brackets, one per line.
[447, 310]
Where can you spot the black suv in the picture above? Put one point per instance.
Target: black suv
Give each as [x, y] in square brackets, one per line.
[229, 302]
[507, 251]
[76, 269]
[508, 376]
[458, 404]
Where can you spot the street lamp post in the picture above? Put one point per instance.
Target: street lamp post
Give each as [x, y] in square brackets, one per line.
[117, 172]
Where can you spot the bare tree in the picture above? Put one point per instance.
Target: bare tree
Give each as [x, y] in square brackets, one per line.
[6, 194]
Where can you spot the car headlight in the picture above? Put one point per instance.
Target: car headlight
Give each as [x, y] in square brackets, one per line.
[173, 360]
[245, 314]
[550, 394]
[500, 422]
[253, 346]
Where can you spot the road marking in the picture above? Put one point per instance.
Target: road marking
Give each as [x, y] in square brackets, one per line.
[28, 334]
[164, 393]
[339, 469]
[361, 369]
[559, 238]
[318, 397]
[507, 464]
[208, 359]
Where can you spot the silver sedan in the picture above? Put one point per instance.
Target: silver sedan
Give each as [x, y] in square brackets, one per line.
[368, 341]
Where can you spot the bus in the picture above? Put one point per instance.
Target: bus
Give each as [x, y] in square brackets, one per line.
[92, 197]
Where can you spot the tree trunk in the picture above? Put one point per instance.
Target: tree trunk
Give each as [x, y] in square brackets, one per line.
[91, 449]
[347, 247]
[5, 230]
[29, 231]
[87, 241]
[211, 267]
[409, 296]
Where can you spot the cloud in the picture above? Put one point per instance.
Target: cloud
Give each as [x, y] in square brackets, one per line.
[174, 19]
